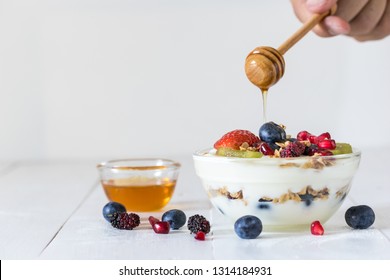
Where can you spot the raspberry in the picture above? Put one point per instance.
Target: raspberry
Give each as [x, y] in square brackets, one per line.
[293, 149]
[125, 220]
[234, 139]
[198, 223]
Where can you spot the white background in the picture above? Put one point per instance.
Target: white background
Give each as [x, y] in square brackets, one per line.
[103, 79]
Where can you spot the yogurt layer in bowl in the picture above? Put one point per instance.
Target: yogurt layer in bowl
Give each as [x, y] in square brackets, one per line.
[285, 193]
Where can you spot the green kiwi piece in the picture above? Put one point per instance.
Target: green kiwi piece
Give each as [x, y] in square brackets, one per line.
[342, 148]
[227, 152]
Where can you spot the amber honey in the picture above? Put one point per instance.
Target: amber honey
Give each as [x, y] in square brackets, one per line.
[140, 193]
[264, 95]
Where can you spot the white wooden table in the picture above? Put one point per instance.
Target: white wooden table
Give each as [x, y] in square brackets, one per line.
[53, 210]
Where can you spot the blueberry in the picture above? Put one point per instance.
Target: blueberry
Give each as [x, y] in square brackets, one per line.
[307, 198]
[360, 217]
[311, 150]
[112, 207]
[263, 206]
[175, 217]
[248, 227]
[270, 132]
[273, 146]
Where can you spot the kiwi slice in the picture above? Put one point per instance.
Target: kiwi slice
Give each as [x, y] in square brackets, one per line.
[227, 152]
[342, 148]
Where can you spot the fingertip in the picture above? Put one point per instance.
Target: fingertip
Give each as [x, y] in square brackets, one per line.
[320, 6]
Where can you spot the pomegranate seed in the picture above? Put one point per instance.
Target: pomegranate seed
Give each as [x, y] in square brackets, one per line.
[266, 149]
[200, 235]
[161, 227]
[153, 220]
[316, 228]
[328, 144]
[303, 135]
[312, 139]
[325, 135]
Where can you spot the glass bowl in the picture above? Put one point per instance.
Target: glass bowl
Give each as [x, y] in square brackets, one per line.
[285, 193]
[143, 184]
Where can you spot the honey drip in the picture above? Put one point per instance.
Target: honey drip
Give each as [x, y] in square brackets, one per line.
[264, 93]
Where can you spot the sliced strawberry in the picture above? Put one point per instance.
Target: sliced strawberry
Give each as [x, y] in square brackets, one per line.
[234, 139]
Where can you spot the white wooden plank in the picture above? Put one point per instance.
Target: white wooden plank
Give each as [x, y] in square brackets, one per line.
[86, 235]
[35, 201]
[371, 186]
[33, 209]
[6, 167]
[338, 242]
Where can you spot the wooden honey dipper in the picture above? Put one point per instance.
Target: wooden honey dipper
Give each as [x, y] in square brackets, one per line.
[264, 66]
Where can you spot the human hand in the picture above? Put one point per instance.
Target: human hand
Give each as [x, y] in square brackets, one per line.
[363, 20]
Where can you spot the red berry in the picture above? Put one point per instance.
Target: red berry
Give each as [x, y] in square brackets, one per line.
[316, 139]
[234, 139]
[200, 235]
[328, 144]
[325, 135]
[153, 220]
[161, 227]
[266, 149]
[125, 220]
[312, 138]
[303, 135]
[293, 149]
[316, 228]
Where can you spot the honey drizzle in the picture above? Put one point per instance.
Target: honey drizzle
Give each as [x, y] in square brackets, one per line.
[264, 93]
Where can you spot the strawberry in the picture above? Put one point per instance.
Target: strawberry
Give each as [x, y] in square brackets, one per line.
[234, 139]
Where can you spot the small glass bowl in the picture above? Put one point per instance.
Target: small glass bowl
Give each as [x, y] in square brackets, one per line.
[285, 193]
[141, 184]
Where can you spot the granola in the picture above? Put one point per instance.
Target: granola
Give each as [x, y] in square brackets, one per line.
[307, 195]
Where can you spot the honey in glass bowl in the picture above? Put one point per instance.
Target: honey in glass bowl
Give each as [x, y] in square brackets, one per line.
[139, 184]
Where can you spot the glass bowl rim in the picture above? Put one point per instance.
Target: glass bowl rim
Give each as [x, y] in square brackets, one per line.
[151, 163]
[201, 154]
